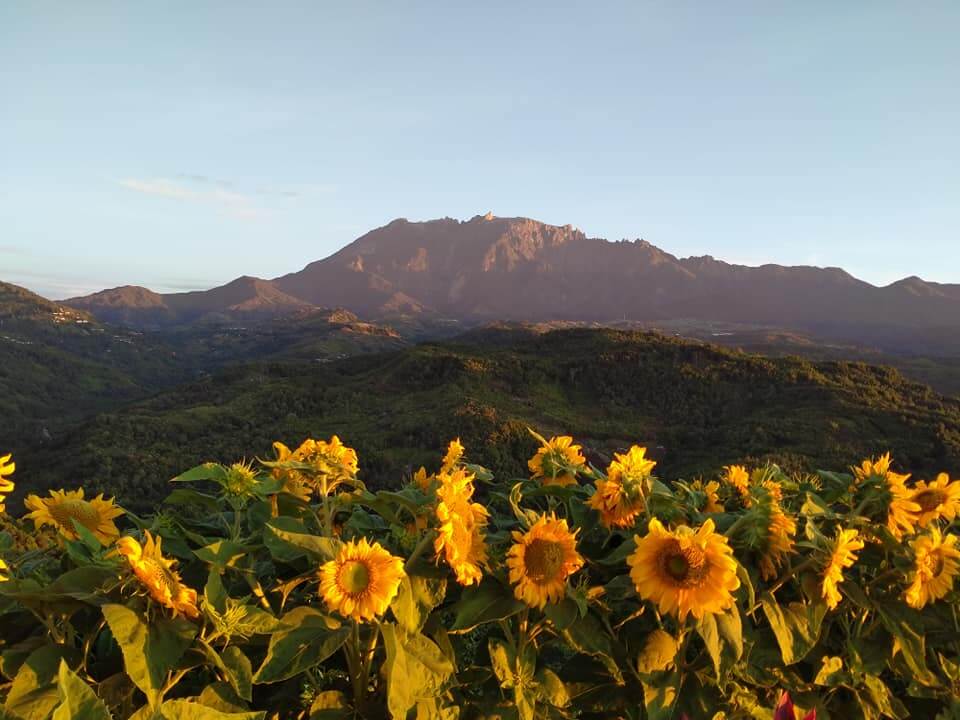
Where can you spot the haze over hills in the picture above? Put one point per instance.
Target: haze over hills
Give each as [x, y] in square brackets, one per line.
[491, 268]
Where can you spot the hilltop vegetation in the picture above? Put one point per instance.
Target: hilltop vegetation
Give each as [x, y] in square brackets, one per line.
[58, 365]
[696, 406]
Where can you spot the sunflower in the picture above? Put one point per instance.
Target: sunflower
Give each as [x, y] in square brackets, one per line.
[938, 499]
[779, 542]
[7, 466]
[453, 457]
[709, 490]
[333, 463]
[157, 574]
[842, 555]
[541, 560]
[684, 571]
[63, 508]
[557, 462]
[902, 509]
[737, 477]
[616, 508]
[619, 498]
[421, 479]
[460, 536]
[294, 481]
[361, 581]
[937, 564]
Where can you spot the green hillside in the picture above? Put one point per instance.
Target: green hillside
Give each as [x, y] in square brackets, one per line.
[697, 406]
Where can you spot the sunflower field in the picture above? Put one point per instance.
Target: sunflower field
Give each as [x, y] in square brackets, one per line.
[287, 589]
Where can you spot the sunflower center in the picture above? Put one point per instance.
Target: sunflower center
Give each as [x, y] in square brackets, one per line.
[930, 499]
[80, 510]
[354, 577]
[685, 566]
[543, 560]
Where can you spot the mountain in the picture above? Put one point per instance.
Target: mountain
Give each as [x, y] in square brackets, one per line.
[696, 406]
[244, 299]
[491, 268]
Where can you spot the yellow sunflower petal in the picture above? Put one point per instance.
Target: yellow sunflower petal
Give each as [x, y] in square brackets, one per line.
[541, 560]
[936, 565]
[361, 581]
[684, 571]
[156, 573]
[62, 508]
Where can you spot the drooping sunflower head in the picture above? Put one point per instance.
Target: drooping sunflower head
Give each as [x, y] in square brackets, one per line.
[541, 559]
[461, 527]
[778, 543]
[631, 469]
[841, 554]
[157, 574]
[887, 492]
[64, 508]
[453, 457]
[7, 466]
[294, 482]
[877, 468]
[616, 508]
[684, 571]
[557, 461]
[936, 564]
[332, 463]
[737, 477]
[710, 494]
[361, 581]
[937, 499]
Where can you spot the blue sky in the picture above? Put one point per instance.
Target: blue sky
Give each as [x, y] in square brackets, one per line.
[178, 145]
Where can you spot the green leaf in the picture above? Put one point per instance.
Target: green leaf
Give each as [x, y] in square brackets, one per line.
[222, 553]
[307, 639]
[707, 629]
[240, 674]
[206, 471]
[33, 694]
[659, 652]
[221, 696]
[487, 602]
[77, 700]
[550, 689]
[149, 650]
[287, 540]
[193, 498]
[416, 669]
[416, 598]
[588, 636]
[189, 710]
[831, 672]
[563, 614]
[899, 622]
[730, 626]
[796, 626]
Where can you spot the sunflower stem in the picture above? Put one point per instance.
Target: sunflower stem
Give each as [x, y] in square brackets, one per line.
[419, 549]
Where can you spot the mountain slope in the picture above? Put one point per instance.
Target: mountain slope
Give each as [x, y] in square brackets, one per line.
[244, 299]
[491, 268]
[697, 406]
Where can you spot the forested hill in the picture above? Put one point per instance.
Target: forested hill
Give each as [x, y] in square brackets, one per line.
[697, 406]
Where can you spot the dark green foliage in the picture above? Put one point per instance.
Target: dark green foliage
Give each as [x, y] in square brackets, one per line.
[697, 407]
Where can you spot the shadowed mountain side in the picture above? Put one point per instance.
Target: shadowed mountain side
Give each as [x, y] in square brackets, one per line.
[697, 406]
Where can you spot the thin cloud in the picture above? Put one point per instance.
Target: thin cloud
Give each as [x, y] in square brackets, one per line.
[233, 202]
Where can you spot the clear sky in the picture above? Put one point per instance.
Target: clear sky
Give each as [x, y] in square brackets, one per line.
[178, 145]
